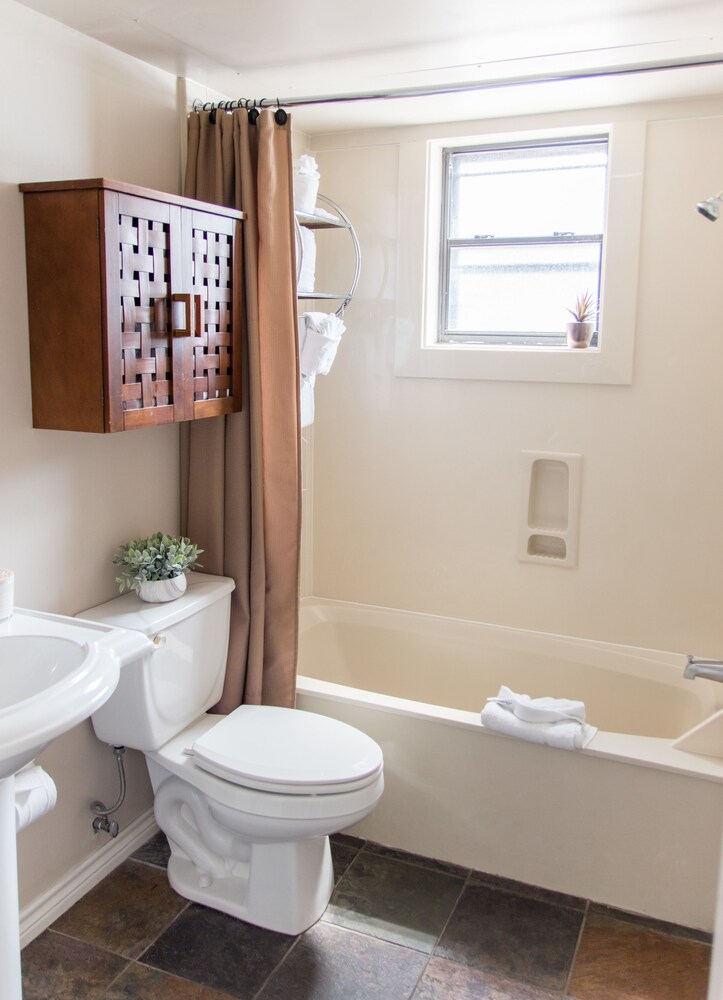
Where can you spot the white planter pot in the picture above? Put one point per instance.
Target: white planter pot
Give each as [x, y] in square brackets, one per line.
[158, 591]
[579, 334]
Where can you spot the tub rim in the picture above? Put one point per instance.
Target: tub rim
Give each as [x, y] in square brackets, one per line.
[645, 751]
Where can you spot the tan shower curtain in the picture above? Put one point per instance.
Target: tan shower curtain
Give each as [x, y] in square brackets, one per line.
[241, 494]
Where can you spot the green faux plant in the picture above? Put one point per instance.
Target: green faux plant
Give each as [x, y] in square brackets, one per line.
[158, 557]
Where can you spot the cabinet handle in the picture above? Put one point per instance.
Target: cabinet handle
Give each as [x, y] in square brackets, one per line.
[198, 302]
[181, 327]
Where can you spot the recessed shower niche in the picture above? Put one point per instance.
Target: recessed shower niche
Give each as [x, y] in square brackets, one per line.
[550, 507]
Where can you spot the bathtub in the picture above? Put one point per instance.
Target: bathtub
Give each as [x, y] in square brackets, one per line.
[633, 821]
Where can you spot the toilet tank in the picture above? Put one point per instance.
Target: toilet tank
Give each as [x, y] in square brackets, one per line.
[181, 671]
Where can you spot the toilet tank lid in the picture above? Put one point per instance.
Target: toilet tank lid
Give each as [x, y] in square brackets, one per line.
[129, 611]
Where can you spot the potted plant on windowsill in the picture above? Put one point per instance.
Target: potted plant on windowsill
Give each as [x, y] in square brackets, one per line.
[580, 331]
[156, 567]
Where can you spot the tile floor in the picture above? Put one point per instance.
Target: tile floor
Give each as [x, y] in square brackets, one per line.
[399, 927]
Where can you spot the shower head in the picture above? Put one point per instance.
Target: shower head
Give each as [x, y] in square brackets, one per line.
[710, 208]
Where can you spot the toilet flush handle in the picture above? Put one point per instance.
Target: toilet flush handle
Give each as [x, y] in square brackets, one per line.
[160, 640]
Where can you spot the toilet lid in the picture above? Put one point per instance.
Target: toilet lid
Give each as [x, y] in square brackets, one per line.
[286, 750]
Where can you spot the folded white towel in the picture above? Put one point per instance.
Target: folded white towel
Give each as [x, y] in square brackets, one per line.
[540, 709]
[319, 336]
[307, 274]
[555, 722]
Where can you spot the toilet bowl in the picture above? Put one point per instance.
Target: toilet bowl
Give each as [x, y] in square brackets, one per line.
[247, 800]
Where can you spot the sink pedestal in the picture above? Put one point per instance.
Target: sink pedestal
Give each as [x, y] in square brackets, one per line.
[10, 978]
[54, 673]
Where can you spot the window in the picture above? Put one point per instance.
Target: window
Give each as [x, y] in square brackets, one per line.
[522, 238]
[499, 234]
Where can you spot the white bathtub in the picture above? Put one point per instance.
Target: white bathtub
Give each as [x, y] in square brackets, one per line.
[631, 821]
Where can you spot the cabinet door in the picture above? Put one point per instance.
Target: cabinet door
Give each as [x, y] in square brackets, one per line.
[216, 269]
[141, 237]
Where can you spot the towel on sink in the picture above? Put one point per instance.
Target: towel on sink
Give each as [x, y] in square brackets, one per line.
[555, 722]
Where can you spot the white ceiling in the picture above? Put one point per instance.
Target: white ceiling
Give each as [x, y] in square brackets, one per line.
[276, 48]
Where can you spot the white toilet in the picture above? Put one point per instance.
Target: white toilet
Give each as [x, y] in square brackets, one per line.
[247, 800]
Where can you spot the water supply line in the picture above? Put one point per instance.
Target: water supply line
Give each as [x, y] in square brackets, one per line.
[101, 811]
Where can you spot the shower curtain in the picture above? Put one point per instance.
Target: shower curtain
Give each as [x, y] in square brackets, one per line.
[241, 491]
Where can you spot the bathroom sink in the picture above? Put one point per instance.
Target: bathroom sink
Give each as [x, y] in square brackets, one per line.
[33, 664]
[54, 672]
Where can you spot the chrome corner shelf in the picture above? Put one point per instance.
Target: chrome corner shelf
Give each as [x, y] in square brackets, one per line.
[322, 222]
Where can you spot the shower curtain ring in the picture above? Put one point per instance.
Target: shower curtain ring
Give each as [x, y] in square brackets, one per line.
[280, 115]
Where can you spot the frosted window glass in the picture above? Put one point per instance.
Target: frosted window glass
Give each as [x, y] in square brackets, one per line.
[521, 289]
[531, 191]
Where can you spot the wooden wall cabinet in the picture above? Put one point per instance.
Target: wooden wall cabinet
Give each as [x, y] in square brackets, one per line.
[135, 306]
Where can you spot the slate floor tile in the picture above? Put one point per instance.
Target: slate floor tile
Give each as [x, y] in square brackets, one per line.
[138, 982]
[216, 950]
[332, 963]
[515, 936]
[500, 940]
[620, 960]
[662, 926]
[56, 967]
[125, 912]
[342, 856]
[443, 980]
[418, 859]
[348, 840]
[394, 901]
[532, 891]
[155, 851]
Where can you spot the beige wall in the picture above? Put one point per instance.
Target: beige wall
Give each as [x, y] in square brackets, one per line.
[416, 481]
[73, 108]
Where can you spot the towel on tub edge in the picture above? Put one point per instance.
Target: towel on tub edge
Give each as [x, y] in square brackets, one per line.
[553, 722]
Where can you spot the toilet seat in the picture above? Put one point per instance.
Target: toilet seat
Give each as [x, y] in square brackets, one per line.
[288, 752]
[176, 758]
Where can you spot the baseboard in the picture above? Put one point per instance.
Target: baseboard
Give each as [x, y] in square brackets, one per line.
[40, 914]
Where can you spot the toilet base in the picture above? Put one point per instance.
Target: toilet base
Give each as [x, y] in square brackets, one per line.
[283, 887]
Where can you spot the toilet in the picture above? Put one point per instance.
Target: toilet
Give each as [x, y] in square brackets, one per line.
[247, 800]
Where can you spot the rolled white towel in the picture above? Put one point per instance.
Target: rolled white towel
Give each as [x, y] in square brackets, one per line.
[567, 731]
[307, 275]
[306, 184]
[35, 795]
[319, 342]
[307, 400]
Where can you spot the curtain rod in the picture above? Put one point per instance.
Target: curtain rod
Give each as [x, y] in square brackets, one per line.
[459, 88]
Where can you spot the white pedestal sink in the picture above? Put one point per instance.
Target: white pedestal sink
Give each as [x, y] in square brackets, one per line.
[54, 672]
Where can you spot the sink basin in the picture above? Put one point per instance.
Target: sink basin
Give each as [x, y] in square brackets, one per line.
[33, 664]
[54, 672]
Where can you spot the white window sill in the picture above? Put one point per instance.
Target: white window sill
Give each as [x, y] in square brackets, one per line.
[417, 354]
[517, 364]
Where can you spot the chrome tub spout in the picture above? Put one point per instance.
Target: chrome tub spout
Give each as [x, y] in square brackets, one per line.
[712, 670]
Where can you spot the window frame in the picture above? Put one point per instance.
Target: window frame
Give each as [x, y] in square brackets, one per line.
[419, 353]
